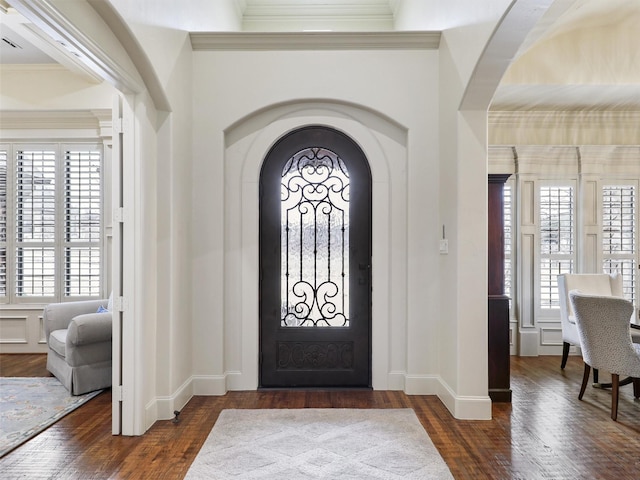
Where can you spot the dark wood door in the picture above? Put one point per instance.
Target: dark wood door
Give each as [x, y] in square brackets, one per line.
[315, 262]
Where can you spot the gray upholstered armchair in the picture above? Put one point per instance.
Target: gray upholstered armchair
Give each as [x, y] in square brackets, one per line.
[79, 344]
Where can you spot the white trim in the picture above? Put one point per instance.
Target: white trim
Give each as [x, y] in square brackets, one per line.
[209, 384]
[462, 407]
[162, 407]
[422, 384]
[273, 41]
[246, 148]
[517, 118]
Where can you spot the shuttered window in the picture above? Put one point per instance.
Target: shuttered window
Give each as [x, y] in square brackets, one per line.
[35, 221]
[82, 223]
[51, 222]
[508, 229]
[3, 224]
[619, 234]
[557, 235]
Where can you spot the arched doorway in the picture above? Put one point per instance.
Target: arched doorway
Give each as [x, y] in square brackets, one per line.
[315, 262]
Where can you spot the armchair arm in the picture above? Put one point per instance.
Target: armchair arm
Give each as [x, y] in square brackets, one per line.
[57, 316]
[89, 328]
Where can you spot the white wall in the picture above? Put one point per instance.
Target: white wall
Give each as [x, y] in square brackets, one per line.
[171, 361]
[463, 356]
[244, 101]
[385, 146]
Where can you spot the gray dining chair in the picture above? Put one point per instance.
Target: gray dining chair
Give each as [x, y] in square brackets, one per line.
[604, 284]
[603, 328]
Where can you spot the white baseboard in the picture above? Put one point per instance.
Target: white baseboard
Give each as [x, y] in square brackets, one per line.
[421, 384]
[164, 406]
[461, 407]
[209, 384]
[150, 414]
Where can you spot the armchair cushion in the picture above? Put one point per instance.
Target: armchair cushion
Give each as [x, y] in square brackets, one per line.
[58, 341]
[57, 316]
[89, 328]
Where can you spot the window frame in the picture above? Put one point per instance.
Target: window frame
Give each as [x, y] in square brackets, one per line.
[551, 311]
[60, 147]
[633, 257]
[510, 248]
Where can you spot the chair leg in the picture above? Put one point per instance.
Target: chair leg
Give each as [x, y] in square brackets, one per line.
[585, 380]
[615, 380]
[565, 354]
[636, 387]
[595, 375]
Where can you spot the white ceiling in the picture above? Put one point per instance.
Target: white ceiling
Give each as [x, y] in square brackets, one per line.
[14, 48]
[587, 58]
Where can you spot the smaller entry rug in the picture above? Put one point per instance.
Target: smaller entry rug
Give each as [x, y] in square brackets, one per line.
[29, 405]
[346, 444]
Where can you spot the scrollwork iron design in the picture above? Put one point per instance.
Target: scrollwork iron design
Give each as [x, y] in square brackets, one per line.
[315, 240]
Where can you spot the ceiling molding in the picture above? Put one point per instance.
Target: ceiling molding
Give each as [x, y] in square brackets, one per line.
[541, 118]
[315, 41]
[579, 127]
[302, 10]
[54, 119]
[33, 67]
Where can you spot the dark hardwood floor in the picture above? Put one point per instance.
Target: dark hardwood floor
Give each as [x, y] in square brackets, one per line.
[545, 433]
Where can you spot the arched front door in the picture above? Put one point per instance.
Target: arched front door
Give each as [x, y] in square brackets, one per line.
[315, 262]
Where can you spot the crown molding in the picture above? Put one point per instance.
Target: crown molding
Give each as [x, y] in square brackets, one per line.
[553, 118]
[54, 119]
[32, 67]
[310, 11]
[231, 41]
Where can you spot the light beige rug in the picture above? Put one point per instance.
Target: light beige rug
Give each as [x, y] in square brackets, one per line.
[302, 444]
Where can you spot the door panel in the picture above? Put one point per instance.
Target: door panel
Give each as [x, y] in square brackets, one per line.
[315, 262]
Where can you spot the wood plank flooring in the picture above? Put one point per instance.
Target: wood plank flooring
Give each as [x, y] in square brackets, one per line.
[545, 433]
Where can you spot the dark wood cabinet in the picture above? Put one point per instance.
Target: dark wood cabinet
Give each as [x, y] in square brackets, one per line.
[498, 302]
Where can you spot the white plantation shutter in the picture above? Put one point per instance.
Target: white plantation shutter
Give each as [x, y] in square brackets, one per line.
[508, 228]
[50, 222]
[3, 224]
[619, 233]
[35, 221]
[557, 227]
[82, 223]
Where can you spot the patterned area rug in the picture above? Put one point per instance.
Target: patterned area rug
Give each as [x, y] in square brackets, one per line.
[301, 444]
[29, 405]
